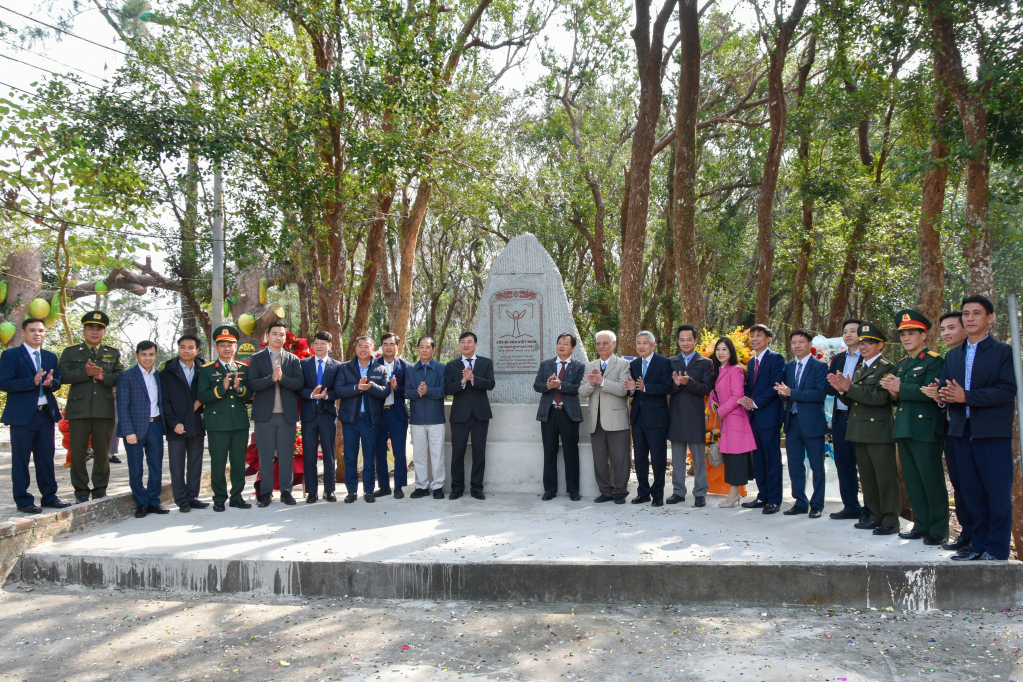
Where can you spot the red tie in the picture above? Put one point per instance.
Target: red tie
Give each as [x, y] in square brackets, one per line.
[557, 392]
[756, 369]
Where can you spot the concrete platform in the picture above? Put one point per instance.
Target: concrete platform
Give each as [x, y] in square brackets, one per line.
[515, 547]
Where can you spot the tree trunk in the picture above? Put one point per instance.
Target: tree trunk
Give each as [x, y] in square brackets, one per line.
[806, 248]
[649, 48]
[24, 280]
[374, 253]
[777, 109]
[930, 286]
[188, 258]
[687, 264]
[411, 226]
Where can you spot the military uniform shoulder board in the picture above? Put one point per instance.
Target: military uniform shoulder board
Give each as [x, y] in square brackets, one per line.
[884, 362]
[933, 354]
[210, 363]
[243, 364]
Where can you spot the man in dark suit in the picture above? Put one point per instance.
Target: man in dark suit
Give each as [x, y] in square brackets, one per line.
[687, 416]
[649, 384]
[319, 417]
[29, 375]
[845, 363]
[140, 424]
[804, 391]
[394, 420]
[362, 386]
[557, 381]
[275, 376]
[766, 369]
[979, 386]
[182, 420]
[467, 379]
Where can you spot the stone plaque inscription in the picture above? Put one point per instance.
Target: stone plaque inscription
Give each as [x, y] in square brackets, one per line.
[516, 331]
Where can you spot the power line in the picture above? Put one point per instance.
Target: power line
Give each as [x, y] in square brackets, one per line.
[42, 69]
[101, 229]
[25, 16]
[51, 59]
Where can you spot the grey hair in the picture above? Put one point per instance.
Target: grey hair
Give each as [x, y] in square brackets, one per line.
[606, 332]
[649, 335]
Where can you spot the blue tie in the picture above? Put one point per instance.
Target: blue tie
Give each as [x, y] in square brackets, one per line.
[799, 373]
[39, 364]
[603, 366]
[645, 362]
[470, 364]
[319, 374]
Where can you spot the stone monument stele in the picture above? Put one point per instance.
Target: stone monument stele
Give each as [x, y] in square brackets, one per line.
[521, 313]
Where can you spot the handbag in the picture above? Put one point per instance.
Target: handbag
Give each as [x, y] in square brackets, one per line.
[714, 457]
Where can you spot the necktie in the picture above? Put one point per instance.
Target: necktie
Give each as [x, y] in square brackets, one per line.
[603, 366]
[645, 363]
[39, 366]
[561, 375]
[756, 368]
[685, 362]
[470, 364]
[799, 373]
[319, 373]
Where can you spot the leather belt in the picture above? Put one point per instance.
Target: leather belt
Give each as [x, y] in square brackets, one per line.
[42, 407]
[387, 407]
[153, 419]
[558, 407]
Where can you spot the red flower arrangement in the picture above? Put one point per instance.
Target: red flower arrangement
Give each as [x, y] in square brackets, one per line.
[299, 347]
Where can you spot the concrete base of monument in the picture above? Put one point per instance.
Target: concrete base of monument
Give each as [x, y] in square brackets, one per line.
[514, 547]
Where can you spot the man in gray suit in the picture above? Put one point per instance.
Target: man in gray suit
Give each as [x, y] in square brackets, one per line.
[608, 419]
[687, 422]
[558, 381]
[274, 376]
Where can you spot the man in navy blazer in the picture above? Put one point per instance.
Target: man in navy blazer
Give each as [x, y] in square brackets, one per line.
[29, 375]
[140, 424]
[804, 391]
[979, 386]
[649, 385]
[319, 417]
[394, 419]
[362, 386]
[766, 369]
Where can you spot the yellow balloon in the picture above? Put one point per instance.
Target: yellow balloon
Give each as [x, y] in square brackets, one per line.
[247, 323]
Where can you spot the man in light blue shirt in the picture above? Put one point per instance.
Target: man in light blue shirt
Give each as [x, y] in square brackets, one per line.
[844, 452]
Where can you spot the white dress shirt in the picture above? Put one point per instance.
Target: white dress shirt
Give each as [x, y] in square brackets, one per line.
[154, 392]
[465, 365]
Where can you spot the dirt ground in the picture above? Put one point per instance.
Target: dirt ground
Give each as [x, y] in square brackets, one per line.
[76, 633]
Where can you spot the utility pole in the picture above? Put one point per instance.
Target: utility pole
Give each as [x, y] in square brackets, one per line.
[218, 249]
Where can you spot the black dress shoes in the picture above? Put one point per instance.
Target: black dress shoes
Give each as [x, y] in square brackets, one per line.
[56, 504]
[382, 492]
[755, 504]
[770, 509]
[184, 507]
[438, 494]
[958, 544]
[984, 556]
[601, 498]
[370, 497]
[81, 499]
[399, 493]
[675, 499]
[575, 497]
[968, 556]
[548, 496]
[866, 524]
[330, 497]
[885, 529]
[140, 512]
[911, 535]
[620, 499]
[701, 501]
[658, 502]
[239, 504]
[815, 513]
[419, 492]
[114, 459]
[286, 498]
[263, 500]
[478, 496]
[98, 496]
[933, 540]
[32, 509]
[844, 514]
[455, 494]
[218, 506]
[641, 499]
[198, 504]
[311, 498]
[795, 511]
[156, 509]
[351, 497]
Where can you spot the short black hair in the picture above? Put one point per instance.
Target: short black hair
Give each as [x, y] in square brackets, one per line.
[571, 337]
[958, 314]
[323, 336]
[982, 300]
[30, 320]
[390, 335]
[364, 338]
[433, 343]
[276, 323]
[801, 332]
[762, 328]
[190, 337]
[145, 345]
[465, 334]
[687, 328]
[852, 320]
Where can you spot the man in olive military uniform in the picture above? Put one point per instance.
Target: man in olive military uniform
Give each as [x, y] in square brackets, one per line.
[91, 369]
[223, 390]
[870, 428]
[915, 417]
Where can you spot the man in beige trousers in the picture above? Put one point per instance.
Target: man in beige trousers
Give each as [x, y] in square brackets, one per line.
[608, 419]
